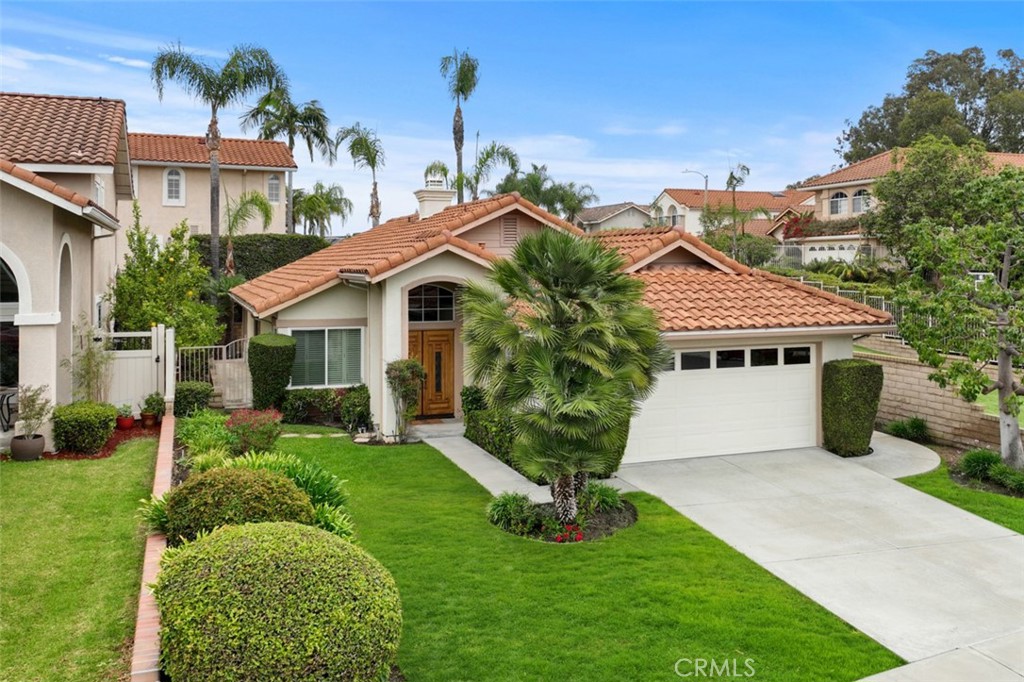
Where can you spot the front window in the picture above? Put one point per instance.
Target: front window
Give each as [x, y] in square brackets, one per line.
[431, 303]
[274, 189]
[861, 201]
[672, 217]
[174, 187]
[837, 204]
[328, 357]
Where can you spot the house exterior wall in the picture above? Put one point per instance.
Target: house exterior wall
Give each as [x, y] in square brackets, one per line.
[822, 197]
[489, 233]
[687, 218]
[630, 218]
[340, 302]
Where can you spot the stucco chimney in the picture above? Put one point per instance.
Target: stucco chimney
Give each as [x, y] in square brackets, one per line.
[434, 198]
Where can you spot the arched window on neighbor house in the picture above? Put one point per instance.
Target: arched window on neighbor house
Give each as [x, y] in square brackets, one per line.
[837, 204]
[174, 187]
[861, 201]
[274, 189]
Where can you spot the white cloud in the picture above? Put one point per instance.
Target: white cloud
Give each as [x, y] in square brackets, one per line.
[23, 60]
[125, 61]
[664, 130]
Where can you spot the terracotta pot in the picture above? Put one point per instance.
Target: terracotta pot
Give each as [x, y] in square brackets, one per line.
[27, 448]
[125, 423]
[148, 420]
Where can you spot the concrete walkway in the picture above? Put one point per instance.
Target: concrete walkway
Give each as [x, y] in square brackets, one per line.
[941, 587]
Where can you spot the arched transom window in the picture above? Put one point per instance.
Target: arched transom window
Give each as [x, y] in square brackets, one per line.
[837, 204]
[861, 201]
[174, 187]
[431, 303]
[274, 189]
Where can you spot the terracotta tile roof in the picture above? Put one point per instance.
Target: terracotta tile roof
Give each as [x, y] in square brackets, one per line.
[688, 299]
[596, 214]
[57, 129]
[380, 249]
[880, 164]
[746, 200]
[50, 186]
[638, 244]
[759, 226]
[192, 149]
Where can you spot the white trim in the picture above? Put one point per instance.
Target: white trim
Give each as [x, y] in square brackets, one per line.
[65, 241]
[67, 168]
[508, 209]
[280, 184]
[786, 331]
[21, 278]
[622, 210]
[100, 218]
[228, 166]
[166, 200]
[36, 319]
[91, 213]
[839, 185]
[459, 251]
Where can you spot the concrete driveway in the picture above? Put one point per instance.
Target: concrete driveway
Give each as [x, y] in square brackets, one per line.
[922, 577]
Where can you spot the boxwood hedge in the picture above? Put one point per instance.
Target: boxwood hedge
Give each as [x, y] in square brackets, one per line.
[271, 357]
[258, 254]
[849, 404]
[83, 426]
[191, 396]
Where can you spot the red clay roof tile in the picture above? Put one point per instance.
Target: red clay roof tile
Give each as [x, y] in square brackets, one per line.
[57, 129]
[746, 200]
[880, 164]
[192, 149]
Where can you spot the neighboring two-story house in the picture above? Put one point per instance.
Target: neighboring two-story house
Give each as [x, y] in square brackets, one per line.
[684, 207]
[613, 216]
[172, 174]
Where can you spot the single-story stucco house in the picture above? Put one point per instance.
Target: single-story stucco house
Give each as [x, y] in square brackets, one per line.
[748, 345]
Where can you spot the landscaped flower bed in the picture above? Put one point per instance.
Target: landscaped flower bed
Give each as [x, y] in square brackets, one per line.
[602, 512]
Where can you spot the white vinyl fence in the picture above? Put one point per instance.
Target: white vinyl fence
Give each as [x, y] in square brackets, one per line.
[141, 365]
[226, 367]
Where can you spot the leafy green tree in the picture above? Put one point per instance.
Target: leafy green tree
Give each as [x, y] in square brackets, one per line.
[366, 151]
[276, 115]
[932, 184]
[251, 205]
[958, 323]
[537, 186]
[248, 70]
[751, 249]
[163, 286]
[560, 335]
[316, 208]
[460, 69]
[959, 95]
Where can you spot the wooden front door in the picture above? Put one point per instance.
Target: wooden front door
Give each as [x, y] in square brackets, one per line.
[435, 349]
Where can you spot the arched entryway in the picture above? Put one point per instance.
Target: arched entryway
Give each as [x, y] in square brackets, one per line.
[9, 302]
[64, 327]
[433, 324]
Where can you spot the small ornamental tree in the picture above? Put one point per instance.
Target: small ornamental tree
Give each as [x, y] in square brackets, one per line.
[970, 310]
[405, 381]
[163, 285]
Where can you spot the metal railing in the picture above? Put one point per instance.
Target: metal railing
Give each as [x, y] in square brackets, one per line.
[798, 255]
[195, 362]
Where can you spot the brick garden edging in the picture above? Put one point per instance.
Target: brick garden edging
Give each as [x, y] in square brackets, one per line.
[146, 647]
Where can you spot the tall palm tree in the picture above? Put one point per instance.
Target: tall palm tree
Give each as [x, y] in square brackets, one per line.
[248, 70]
[574, 198]
[437, 169]
[560, 335]
[536, 186]
[276, 115]
[366, 151]
[737, 176]
[238, 214]
[461, 72]
[492, 156]
[318, 206]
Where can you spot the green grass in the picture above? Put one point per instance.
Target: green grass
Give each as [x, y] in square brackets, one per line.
[1002, 509]
[990, 403]
[480, 604]
[305, 429]
[70, 563]
[864, 349]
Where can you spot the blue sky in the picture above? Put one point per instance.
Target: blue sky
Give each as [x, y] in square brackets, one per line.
[623, 96]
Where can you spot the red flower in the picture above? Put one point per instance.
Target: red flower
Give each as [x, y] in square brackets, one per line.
[579, 537]
[558, 538]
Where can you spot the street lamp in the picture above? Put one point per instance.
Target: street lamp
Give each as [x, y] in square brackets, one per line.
[703, 175]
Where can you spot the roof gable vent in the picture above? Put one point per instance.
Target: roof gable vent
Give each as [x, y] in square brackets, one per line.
[509, 230]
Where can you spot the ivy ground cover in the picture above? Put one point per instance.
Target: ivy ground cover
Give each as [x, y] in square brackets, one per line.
[480, 604]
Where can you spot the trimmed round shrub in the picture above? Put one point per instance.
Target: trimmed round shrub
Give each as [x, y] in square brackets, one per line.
[354, 412]
[978, 463]
[850, 391]
[276, 601]
[83, 426]
[221, 497]
[271, 357]
[191, 396]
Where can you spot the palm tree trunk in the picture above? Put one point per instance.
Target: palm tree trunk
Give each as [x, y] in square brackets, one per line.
[374, 205]
[289, 218]
[229, 258]
[563, 492]
[579, 481]
[458, 132]
[213, 144]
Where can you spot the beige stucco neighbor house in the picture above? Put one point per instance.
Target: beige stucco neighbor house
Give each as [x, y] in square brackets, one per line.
[749, 346]
[63, 167]
[684, 207]
[172, 176]
[612, 216]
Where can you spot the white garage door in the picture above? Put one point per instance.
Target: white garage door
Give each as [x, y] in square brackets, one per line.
[719, 401]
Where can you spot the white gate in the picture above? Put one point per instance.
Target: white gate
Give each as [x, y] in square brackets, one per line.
[141, 365]
[226, 367]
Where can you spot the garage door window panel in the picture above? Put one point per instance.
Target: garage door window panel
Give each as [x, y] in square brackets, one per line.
[695, 360]
[764, 357]
[730, 359]
[797, 355]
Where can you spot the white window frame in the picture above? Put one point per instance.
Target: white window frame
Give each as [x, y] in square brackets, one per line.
[837, 203]
[287, 331]
[861, 201]
[167, 200]
[270, 196]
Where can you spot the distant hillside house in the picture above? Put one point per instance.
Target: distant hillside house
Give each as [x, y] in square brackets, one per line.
[612, 216]
[684, 207]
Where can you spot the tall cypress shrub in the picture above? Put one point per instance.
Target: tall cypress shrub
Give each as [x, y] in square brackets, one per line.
[850, 392]
[271, 357]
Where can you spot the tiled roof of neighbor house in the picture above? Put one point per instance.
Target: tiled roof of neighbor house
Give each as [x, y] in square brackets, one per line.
[192, 149]
[637, 244]
[880, 164]
[690, 299]
[57, 129]
[596, 214]
[759, 226]
[50, 186]
[380, 249]
[746, 200]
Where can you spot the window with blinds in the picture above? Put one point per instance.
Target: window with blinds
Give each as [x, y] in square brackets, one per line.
[327, 357]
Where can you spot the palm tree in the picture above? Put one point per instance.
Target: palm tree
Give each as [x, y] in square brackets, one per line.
[437, 169]
[275, 115]
[366, 151]
[320, 205]
[737, 176]
[492, 156]
[237, 214]
[536, 186]
[460, 70]
[560, 335]
[574, 198]
[247, 70]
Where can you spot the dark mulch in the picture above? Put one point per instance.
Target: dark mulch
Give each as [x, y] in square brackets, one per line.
[600, 525]
[119, 437]
[988, 486]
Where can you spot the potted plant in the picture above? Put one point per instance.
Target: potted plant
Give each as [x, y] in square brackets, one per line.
[152, 409]
[34, 409]
[125, 420]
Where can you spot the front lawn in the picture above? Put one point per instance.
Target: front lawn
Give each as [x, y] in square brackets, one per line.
[480, 604]
[1002, 509]
[990, 403]
[70, 563]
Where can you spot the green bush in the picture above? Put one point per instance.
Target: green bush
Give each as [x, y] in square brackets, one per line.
[1009, 478]
[258, 254]
[311, 405]
[976, 463]
[220, 497]
[493, 431]
[473, 399]
[514, 512]
[850, 391]
[204, 430]
[321, 485]
[354, 413]
[598, 497]
[254, 430]
[915, 429]
[83, 426]
[191, 396]
[271, 357]
[276, 601]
